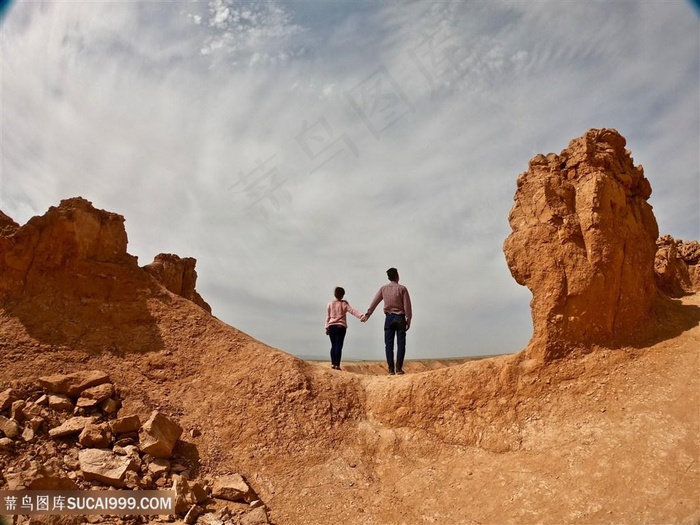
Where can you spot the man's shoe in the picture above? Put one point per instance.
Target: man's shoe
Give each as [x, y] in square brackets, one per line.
[400, 372]
[392, 373]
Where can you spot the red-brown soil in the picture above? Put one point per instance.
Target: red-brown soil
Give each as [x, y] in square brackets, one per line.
[604, 436]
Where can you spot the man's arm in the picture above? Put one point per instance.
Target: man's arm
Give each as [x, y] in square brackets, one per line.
[407, 308]
[377, 299]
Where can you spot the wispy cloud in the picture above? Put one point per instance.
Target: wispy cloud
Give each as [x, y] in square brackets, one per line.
[295, 146]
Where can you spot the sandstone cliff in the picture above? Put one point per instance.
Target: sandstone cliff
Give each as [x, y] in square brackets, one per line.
[677, 266]
[583, 242]
[177, 275]
[68, 276]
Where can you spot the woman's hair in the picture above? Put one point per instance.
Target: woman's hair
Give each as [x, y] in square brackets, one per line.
[339, 293]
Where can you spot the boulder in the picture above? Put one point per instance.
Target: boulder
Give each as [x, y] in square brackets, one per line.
[233, 488]
[583, 241]
[104, 466]
[73, 384]
[158, 435]
[74, 425]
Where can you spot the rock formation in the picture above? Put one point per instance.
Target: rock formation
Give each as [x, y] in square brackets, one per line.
[68, 277]
[677, 266]
[583, 242]
[177, 275]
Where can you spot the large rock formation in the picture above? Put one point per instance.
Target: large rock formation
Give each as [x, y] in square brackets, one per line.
[177, 275]
[69, 279]
[677, 266]
[584, 241]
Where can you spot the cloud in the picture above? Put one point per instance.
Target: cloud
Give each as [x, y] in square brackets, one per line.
[292, 147]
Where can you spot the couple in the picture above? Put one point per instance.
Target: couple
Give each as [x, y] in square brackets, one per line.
[397, 307]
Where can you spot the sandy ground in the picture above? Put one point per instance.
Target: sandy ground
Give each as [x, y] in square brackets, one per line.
[603, 436]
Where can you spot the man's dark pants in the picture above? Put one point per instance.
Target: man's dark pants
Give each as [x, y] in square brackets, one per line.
[395, 324]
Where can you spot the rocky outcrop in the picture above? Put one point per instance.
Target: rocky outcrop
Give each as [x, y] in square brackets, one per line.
[177, 275]
[677, 266]
[583, 242]
[66, 275]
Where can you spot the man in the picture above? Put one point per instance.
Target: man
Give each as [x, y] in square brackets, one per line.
[397, 307]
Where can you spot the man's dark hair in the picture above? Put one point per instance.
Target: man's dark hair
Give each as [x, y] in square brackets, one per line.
[392, 274]
[339, 293]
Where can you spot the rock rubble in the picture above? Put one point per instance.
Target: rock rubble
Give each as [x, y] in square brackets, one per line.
[50, 440]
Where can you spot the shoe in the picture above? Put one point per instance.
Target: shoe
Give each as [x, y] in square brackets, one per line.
[400, 372]
[392, 373]
[335, 367]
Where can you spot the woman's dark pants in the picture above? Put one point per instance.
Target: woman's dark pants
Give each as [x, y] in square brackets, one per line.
[336, 333]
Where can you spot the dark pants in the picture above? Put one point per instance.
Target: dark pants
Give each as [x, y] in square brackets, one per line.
[395, 324]
[336, 333]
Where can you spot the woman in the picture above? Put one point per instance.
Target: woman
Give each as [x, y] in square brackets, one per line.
[337, 325]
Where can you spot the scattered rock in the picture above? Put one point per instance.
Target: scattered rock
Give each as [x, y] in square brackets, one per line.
[73, 384]
[95, 436]
[7, 397]
[201, 494]
[94, 395]
[61, 465]
[16, 412]
[257, 516]
[158, 467]
[125, 424]
[195, 512]
[184, 498]
[40, 476]
[233, 488]
[74, 425]
[159, 435]
[110, 406]
[9, 427]
[104, 466]
[28, 434]
[60, 402]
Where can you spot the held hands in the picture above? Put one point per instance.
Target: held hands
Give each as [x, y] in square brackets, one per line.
[364, 318]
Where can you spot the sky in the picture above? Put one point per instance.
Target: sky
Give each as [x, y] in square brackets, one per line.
[295, 146]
